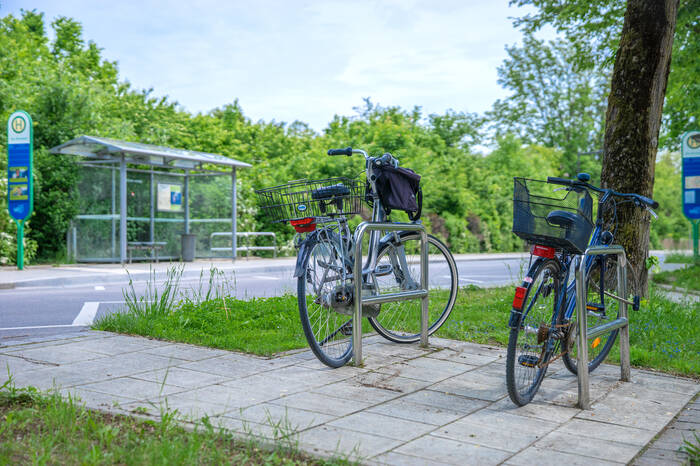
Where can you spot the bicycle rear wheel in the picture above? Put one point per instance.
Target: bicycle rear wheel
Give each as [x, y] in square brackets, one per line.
[599, 312]
[326, 321]
[399, 321]
[529, 344]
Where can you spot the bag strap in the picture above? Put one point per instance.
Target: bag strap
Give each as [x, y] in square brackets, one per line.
[413, 216]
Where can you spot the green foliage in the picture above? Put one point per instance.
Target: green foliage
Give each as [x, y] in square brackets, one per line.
[685, 278]
[554, 102]
[593, 27]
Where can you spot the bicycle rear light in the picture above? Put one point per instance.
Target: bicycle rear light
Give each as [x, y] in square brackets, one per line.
[520, 293]
[543, 251]
[304, 225]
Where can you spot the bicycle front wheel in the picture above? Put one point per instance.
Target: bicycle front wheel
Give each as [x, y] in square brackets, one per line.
[326, 321]
[529, 344]
[400, 321]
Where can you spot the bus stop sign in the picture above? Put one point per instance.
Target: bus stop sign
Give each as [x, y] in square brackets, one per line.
[690, 149]
[20, 199]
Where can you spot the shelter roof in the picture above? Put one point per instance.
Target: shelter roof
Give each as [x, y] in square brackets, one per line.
[147, 154]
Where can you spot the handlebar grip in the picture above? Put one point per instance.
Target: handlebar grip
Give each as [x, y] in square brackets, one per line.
[347, 151]
[650, 202]
[555, 180]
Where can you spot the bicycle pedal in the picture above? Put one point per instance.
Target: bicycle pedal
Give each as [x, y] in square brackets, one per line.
[595, 307]
[383, 269]
[528, 360]
[635, 301]
[346, 329]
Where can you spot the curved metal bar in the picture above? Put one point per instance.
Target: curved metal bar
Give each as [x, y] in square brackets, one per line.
[622, 322]
[413, 294]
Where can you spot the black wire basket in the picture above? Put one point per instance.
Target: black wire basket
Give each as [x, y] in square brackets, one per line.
[296, 200]
[534, 201]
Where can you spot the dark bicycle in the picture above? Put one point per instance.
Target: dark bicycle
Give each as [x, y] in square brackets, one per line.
[319, 210]
[542, 320]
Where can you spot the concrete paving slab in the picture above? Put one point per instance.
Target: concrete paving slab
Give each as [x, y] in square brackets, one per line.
[474, 385]
[284, 416]
[385, 426]
[326, 440]
[426, 369]
[432, 448]
[442, 400]
[390, 380]
[351, 390]
[59, 354]
[403, 409]
[545, 457]
[600, 449]
[181, 377]
[405, 460]
[132, 388]
[320, 403]
[606, 431]
[660, 457]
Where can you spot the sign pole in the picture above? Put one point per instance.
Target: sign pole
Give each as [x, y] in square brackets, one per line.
[696, 234]
[20, 244]
[20, 180]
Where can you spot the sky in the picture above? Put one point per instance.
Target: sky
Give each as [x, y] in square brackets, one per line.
[301, 60]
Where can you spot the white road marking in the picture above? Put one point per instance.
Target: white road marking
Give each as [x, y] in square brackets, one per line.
[87, 313]
[264, 277]
[99, 288]
[462, 279]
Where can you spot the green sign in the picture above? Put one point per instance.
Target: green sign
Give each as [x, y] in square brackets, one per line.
[20, 184]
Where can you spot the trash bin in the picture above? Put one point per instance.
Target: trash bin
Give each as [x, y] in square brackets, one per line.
[188, 244]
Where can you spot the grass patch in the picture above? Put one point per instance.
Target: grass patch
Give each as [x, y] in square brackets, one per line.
[664, 335]
[678, 258]
[46, 429]
[687, 278]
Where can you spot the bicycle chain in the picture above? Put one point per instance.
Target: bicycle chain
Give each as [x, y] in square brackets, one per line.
[565, 339]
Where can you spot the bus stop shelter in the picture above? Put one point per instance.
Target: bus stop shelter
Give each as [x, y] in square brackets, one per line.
[133, 194]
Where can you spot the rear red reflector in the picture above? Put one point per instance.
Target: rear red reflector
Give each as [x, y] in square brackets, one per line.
[304, 225]
[543, 251]
[520, 293]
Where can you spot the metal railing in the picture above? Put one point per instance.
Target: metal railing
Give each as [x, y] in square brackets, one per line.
[421, 294]
[585, 334]
[247, 248]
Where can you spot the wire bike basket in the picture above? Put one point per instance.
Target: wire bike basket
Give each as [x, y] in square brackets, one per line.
[312, 198]
[562, 219]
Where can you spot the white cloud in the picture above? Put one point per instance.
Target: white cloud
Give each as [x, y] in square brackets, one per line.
[302, 60]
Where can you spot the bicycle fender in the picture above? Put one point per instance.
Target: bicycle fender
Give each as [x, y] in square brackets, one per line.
[303, 254]
[389, 237]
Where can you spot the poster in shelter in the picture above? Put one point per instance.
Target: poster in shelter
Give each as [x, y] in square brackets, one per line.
[169, 197]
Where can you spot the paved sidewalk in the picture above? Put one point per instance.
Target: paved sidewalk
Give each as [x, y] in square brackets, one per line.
[442, 405]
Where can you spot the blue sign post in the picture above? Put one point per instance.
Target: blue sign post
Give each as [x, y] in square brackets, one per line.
[690, 149]
[20, 160]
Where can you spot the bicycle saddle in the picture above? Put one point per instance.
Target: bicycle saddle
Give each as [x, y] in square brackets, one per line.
[564, 219]
[328, 192]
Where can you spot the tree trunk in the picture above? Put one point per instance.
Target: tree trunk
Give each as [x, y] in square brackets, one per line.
[633, 119]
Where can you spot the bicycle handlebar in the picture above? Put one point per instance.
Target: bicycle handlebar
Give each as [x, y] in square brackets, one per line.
[347, 151]
[638, 198]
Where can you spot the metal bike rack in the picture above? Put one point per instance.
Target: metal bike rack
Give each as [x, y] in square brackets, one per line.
[621, 323]
[389, 297]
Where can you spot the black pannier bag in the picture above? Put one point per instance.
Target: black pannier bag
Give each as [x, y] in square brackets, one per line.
[399, 188]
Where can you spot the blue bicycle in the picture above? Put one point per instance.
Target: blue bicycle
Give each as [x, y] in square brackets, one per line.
[542, 320]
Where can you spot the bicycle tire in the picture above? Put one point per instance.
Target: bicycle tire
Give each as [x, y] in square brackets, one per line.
[328, 331]
[528, 355]
[400, 321]
[600, 347]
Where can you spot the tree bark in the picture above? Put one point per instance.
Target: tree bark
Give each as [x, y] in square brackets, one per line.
[633, 119]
